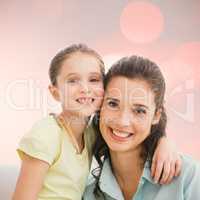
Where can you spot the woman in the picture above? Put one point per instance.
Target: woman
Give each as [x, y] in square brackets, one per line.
[132, 120]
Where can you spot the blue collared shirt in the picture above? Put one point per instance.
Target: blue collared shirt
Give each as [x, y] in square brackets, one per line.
[184, 187]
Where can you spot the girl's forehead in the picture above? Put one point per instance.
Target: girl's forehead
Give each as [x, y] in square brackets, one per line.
[81, 61]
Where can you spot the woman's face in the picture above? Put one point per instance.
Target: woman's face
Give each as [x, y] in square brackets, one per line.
[127, 113]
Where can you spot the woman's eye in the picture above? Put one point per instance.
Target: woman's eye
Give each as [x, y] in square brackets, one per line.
[139, 111]
[112, 104]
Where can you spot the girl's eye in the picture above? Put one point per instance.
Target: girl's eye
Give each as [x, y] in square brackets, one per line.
[72, 81]
[95, 79]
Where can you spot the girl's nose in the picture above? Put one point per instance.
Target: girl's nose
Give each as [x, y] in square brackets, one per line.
[85, 87]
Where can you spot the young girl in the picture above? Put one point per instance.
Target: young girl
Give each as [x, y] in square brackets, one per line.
[57, 152]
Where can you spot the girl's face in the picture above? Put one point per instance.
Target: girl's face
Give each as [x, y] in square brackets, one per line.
[80, 85]
[127, 114]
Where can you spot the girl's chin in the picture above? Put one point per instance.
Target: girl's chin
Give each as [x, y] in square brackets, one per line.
[86, 113]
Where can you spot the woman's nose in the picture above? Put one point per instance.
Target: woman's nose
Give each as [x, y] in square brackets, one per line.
[124, 119]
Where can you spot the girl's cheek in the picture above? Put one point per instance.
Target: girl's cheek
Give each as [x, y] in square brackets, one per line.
[100, 92]
[100, 89]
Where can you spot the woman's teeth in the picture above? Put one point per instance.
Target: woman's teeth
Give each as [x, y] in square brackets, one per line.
[122, 134]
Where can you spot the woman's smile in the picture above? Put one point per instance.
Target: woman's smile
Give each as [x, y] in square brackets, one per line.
[120, 136]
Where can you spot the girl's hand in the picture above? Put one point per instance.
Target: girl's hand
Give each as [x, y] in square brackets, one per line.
[166, 162]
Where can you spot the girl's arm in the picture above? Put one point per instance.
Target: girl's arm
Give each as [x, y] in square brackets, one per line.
[30, 179]
[166, 162]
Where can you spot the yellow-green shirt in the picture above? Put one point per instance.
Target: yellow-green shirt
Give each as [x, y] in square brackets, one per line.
[67, 175]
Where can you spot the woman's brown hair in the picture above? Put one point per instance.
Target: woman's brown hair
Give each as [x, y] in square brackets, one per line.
[134, 67]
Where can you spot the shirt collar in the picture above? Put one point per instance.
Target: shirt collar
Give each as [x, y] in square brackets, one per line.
[146, 175]
[109, 185]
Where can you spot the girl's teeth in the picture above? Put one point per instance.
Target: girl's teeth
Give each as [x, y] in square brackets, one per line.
[121, 134]
[85, 100]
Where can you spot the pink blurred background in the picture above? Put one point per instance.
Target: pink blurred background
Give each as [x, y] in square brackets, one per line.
[33, 31]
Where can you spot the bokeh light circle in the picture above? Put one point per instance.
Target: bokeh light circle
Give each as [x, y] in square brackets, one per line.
[141, 22]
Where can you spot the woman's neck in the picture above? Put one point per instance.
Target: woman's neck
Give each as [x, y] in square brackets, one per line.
[127, 168]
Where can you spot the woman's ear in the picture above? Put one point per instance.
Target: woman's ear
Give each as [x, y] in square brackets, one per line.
[157, 116]
[54, 92]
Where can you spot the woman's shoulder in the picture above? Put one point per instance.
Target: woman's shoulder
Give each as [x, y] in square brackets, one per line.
[189, 163]
[190, 177]
[190, 169]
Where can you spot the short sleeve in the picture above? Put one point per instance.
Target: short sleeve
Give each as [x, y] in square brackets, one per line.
[42, 141]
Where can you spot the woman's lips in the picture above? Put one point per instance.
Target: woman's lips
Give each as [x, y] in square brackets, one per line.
[120, 135]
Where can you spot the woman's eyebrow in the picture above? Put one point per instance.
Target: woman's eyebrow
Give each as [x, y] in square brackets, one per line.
[140, 105]
[113, 99]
